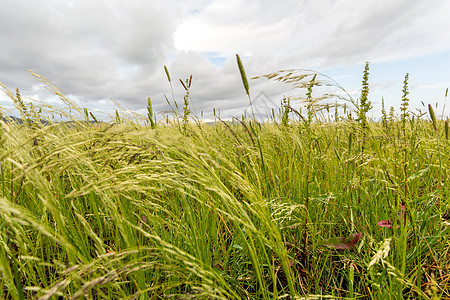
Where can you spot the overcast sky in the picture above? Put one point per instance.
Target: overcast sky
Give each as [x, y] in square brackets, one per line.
[99, 51]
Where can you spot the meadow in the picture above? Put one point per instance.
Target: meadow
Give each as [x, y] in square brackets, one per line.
[301, 207]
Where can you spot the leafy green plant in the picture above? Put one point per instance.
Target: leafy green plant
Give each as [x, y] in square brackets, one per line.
[405, 104]
[186, 108]
[285, 110]
[364, 104]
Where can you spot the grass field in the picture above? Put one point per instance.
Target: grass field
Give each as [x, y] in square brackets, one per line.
[296, 208]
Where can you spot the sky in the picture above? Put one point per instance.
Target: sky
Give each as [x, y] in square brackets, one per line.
[109, 55]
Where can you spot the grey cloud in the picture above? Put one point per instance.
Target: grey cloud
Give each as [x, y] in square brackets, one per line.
[95, 50]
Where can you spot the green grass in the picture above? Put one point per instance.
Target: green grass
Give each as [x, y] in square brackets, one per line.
[241, 210]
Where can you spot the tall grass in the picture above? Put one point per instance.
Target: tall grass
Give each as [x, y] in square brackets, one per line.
[240, 210]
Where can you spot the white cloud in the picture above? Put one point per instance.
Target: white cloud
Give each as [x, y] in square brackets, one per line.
[441, 85]
[342, 31]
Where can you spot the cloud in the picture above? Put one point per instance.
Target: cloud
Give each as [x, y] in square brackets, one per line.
[318, 32]
[310, 34]
[441, 85]
[97, 50]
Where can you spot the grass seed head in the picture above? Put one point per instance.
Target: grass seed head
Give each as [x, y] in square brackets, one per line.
[432, 116]
[243, 75]
[150, 113]
[446, 129]
[167, 73]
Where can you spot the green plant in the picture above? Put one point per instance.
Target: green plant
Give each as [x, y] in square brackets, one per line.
[285, 110]
[391, 116]
[171, 89]
[309, 100]
[150, 115]
[432, 116]
[118, 120]
[384, 116]
[245, 83]
[186, 109]
[364, 104]
[446, 129]
[405, 104]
